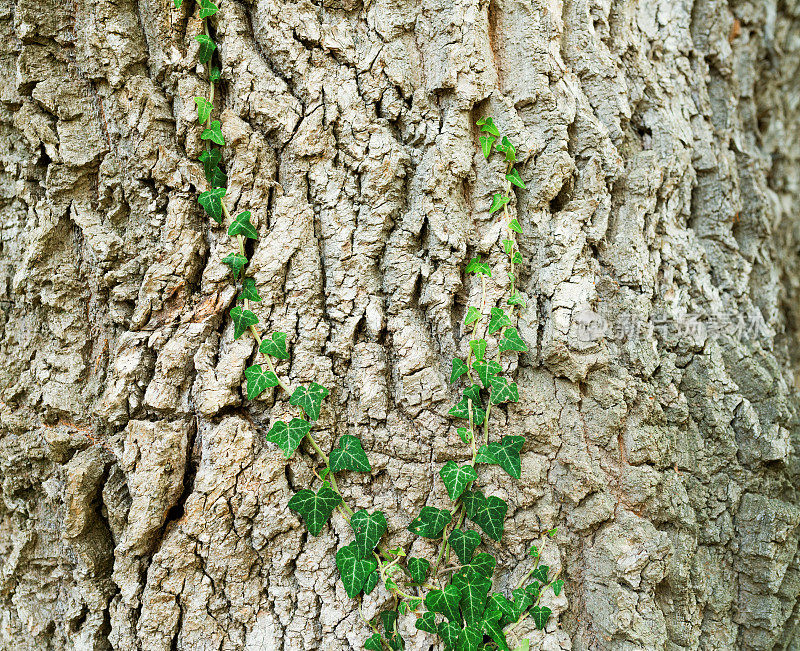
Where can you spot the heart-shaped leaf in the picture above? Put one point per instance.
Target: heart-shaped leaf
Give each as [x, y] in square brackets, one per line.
[522, 601]
[309, 399]
[418, 568]
[204, 108]
[207, 47]
[211, 200]
[236, 262]
[430, 522]
[315, 508]
[374, 643]
[459, 368]
[427, 623]
[475, 266]
[486, 369]
[469, 639]
[488, 513]
[514, 226]
[241, 226]
[445, 602]
[288, 437]
[503, 390]
[456, 478]
[508, 149]
[368, 527]
[214, 133]
[487, 126]
[491, 626]
[275, 346]
[506, 454]
[371, 582]
[249, 291]
[473, 315]
[486, 145]
[242, 320]
[514, 177]
[498, 201]
[540, 615]
[214, 175]
[349, 455]
[207, 9]
[258, 380]
[497, 320]
[557, 587]
[478, 348]
[474, 589]
[484, 563]
[540, 573]
[464, 544]
[354, 569]
[512, 341]
[484, 455]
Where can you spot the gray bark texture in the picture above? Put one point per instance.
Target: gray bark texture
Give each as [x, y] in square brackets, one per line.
[141, 506]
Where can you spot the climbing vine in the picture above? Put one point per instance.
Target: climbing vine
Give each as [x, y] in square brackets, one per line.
[453, 600]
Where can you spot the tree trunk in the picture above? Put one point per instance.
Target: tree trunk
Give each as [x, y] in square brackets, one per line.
[142, 507]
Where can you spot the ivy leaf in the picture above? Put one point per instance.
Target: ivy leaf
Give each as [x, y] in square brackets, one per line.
[500, 603]
[508, 246]
[475, 266]
[491, 626]
[389, 619]
[540, 573]
[418, 568]
[506, 453]
[512, 341]
[473, 315]
[498, 320]
[288, 437]
[508, 149]
[214, 133]
[430, 522]
[485, 455]
[214, 74]
[249, 291]
[315, 508]
[242, 320]
[487, 125]
[211, 200]
[178, 4]
[464, 544]
[459, 368]
[514, 226]
[486, 145]
[488, 513]
[456, 478]
[469, 639]
[540, 615]
[498, 201]
[258, 380]
[445, 602]
[214, 175]
[465, 434]
[427, 622]
[236, 261]
[503, 390]
[371, 582]
[522, 600]
[514, 177]
[369, 528]
[486, 370]
[373, 643]
[516, 258]
[204, 108]
[308, 398]
[516, 299]
[557, 587]
[207, 9]
[449, 632]
[474, 588]
[276, 347]
[241, 226]
[354, 569]
[207, 47]
[484, 563]
[533, 591]
[349, 455]
[461, 408]
[478, 348]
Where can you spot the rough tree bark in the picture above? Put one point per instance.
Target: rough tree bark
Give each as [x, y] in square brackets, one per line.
[141, 506]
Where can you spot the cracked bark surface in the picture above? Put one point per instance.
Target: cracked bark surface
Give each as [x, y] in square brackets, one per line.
[141, 506]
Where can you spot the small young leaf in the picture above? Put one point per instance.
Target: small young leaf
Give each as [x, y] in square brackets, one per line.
[374, 643]
[459, 368]
[242, 320]
[178, 4]
[540, 615]
[508, 149]
[241, 226]
[506, 452]
[516, 299]
[214, 133]
[214, 74]
[464, 544]
[465, 434]
[475, 266]
[484, 563]
[540, 573]
[485, 455]
[514, 177]
[552, 533]
[445, 602]
[236, 262]
[214, 175]
[498, 201]
[456, 478]
[508, 246]
[503, 390]
[315, 508]
[258, 380]
[430, 522]
[203, 109]
[558, 586]
[211, 200]
[249, 291]
[514, 226]
[473, 315]
[474, 588]
[288, 437]
[487, 125]
[486, 370]
[371, 582]
[369, 528]
[534, 551]
[354, 569]
[478, 348]
[486, 145]
[207, 47]
[207, 9]
[498, 320]
[309, 398]
[418, 568]
[276, 347]
[427, 622]
[349, 455]
[516, 258]
[533, 590]
[461, 408]
[512, 341]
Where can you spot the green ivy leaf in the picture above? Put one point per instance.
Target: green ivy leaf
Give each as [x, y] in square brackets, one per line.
[498, 201]
[514, 177]
[371, 582]
[204, 108]
[475, 266]
[236, 261]
[449, 632]
[427, 623]
[276, 347]
[474, 588]
[522, 601]
[540, 615]
[249, 291]
[354, 569]
[487, 125]
[473, 315]
[469, 639]
[418, 568]
[506, 452]
[445, 602]
[288, 437]
[315, 508]
[214, 175]
[258, 380]
[241, 226]
[242, 320]
[516, 258]
[211, 200]
[508, 246]
[508, 149]
[368, 528]
[497, 320]
[464, 544]
[516, 299]
[478, 348]
[514, 226]
[373, 643]
[214, 133]
[484, 563]
[465, 434]
[488, 513]
[349, 455]
[503, 391]
[512, 341]
[533, 590]
[540, 573]
[207, 47]
[178, 4]
[308, 398]
[207, 9]
[491, 626]
[459, 368]
[461, 409]
[486, 370]
[500, 603]
[486, 145]
[557, 587]
[214, 74]
[430, 522]
[484, 455]
[456, 478]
